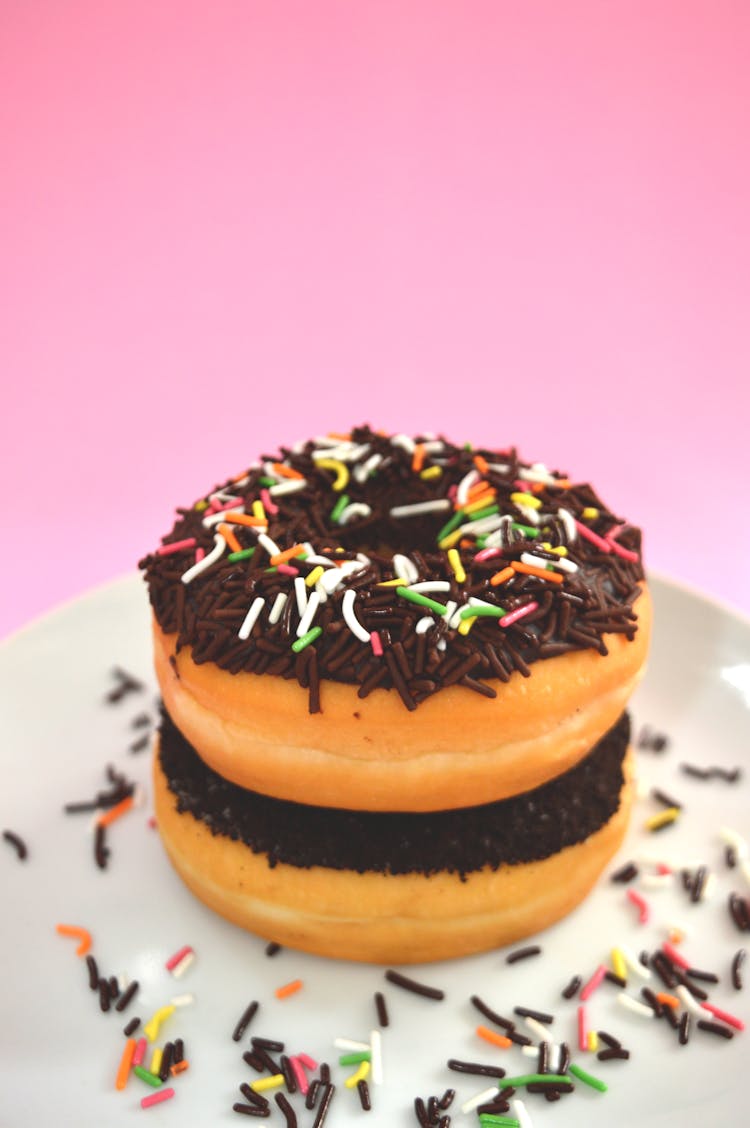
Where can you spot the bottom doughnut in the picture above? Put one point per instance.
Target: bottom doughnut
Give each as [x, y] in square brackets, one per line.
[387, 888]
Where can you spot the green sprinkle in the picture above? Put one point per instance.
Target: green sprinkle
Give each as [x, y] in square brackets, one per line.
[145, 1075]
[587, 1079]
[422, 600]
[492, 1120]
[243, 554]
[268, 481]
[533, 1079]
[481, 542]
[200, 506]
[488, 612]
[301, 643]
[488, 511]
[528, 529]
[273, 568]
[355, 1058]
[339, 507]
[450, 525]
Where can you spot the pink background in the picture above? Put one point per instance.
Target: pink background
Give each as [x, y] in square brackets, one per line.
[229, 225]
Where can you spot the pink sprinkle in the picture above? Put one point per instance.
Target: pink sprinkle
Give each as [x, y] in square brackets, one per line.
[488, 554]
[178, 957]
[199, 554]
[302, 1083]
[675, 956]
[730, 1019]
[663, 868]
[269, 506]
[376, 644]
[151, 824]
[513, 616]
[593, 983]
[175, 546]
[642, 906]
[625, 553]
[215, 507]
[287, 570]
[157, 1097]
[452, 493]
[139, 1052]
[583, 1039]
[307, 1061]
[594, 538]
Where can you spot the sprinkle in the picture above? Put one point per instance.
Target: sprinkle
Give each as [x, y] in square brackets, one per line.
[268, 505]
[278, 606]
[593, 1041]
[114, 813]
[455, 562]
[376, 644]
[132, 1026]
[643, 910]
[689, 1001]
[157, 1098]
[76, 933]
[535, 570]
[675, 956]
[210, 558]
[17, 843]
[288, 554]
[587, 1078]
[229, 537]
[155, 1067]
[177, 958]
[299, 1075]
[431, 473]
[662, 819]
[723, 1016]
[243, 519]
[288, 989]
[339, 508]
[355, 509]
[360, 1075]
[263, 1084]
[175, 546]
[428, 586]
[306, 639]
[126, 1062]
[436, 506]
[572, 987]
[420, 600]
[151, 1029]
[300, 593]
[476, 1069]
[731, 838]
[474, 1102]
[187, 999]
[737, 963]
[634, 963]
[593, 538]
[351, 1045]
[519, 1108]
[351, 620]
[493, 1038]
[523, 953]
[513, 616]
[376, 1059]
[618, 963]
[147, 1076]
[139, 1052]
[535, 1079]
[340, 469]
[593, 982]
[633, 1005]
[625, 873]
[714, 1028]
[582, 1032]
[413, 985]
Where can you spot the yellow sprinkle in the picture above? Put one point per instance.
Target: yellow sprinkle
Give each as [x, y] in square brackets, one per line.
[593, 1040]
[481, 503]
[619, 967]
[455, 562]
[340, 469]
[451, 539]
[466, 624]
[264, 1083]
[656, 822]
[312, 579]
[200, 506]
[156, 1061]
[398, 582]
[258, 510]
[151, 1029]
[353, 1081]
[560, 550]
[430, 473]
[590, 513]
[526, 499]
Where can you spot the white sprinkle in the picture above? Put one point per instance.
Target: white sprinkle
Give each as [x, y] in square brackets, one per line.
[657, 880]
[745, 869]
[325, 441]
[731, 838]
[564, 564]
[179, 969]
[537, 1028]
[348, 452]
[571, 531]
[709, 885]
[270, 546]
[182, 1000]
[376, 1057]
[278, 607]
[450, 611]
[424, 625]
[351, 620]
[633, 1005]
[462, 491]
[438, 505]
[483, 525]
[530, 516]
[455, 621]
[210, 558]
[139, 796]
[689, 1001]
[251, 618]
[475, 601]
[521, 1113]
[403, 566]
[331, 579]
[351, 1046]
[534, 561]
[480, 1098]
[363, 470]
[218, 518]
[356, 509]
[530, 1051]
[441, 645]
[316, 558]
[300, 592]
[634, 963]
[537, 473]
[404, 442]
[288, 486]
[311, 611]
[427, 586]
[499, 467]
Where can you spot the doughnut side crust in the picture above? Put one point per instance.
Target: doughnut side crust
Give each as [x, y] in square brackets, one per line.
[456, 750]
[383, 918]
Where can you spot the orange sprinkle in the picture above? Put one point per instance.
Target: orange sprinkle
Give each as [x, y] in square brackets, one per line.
[287, 554]
[344, 438]
[77, 933]
[676, 936]
[536, 487]
[494, 1038]
[417, 461]
[180, 1067]
[668, 1000]
[480, 501]
[481, 463]
[563, 483]
[477, 489]
[286, 471]
[530, 570]
[114, 813]
[466, 543]
[125, 1063]
[244, 519]
[229, 537]
[501, 577]
[288, 989]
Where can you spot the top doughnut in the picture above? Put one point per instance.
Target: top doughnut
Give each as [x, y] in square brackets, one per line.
[394, 563]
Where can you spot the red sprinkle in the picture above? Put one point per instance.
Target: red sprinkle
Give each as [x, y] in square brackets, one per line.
[583, 1039]
[593, 983]
[178, 957]
[730, 1019]
[675, 956]
[641, 904]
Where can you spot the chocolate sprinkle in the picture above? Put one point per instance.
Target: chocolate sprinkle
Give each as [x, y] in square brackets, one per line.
[493, 1016]
[131, 1027]
[477, 1069]
[717, 1028]
[413, 985]
[571, 989]
[625, 873]
[289, 1114]
[577, 613]
[244, 1020]
[127, 996]
[524, 828]
[381, 1008]
[17, 843]
[523, 953]
[272, 948]
[363, 1092]
[325, 1104]
[737, 963]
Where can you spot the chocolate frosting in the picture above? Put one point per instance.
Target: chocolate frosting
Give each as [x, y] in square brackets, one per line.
[525, 828]
[513, 540]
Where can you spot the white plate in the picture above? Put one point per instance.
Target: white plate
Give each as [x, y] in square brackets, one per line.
[60, 1054]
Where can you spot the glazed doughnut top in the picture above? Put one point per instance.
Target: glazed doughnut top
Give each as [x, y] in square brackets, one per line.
[397, 563]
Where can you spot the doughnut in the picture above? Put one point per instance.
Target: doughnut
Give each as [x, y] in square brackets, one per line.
[394, 676]
[382, 623]
[392, 887]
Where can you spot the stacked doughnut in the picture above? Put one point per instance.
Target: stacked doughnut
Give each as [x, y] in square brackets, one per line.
[394, 673]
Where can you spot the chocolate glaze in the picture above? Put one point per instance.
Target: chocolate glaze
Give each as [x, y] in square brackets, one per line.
[525, 828]
[206, 614]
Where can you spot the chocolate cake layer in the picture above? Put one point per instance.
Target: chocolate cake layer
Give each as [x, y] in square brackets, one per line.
[525, 828]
